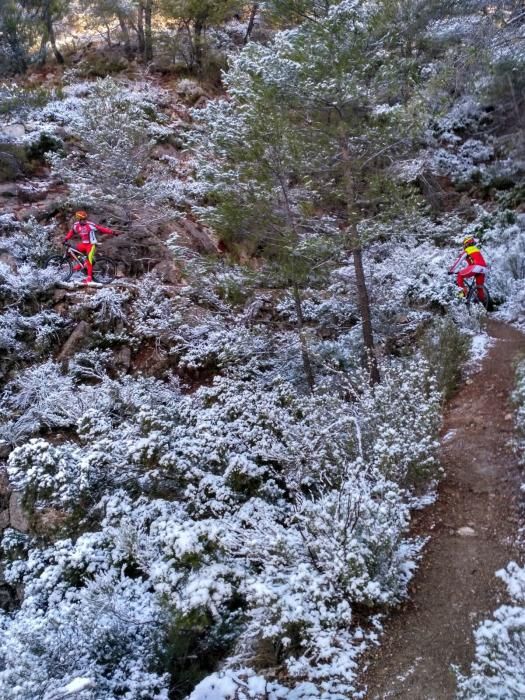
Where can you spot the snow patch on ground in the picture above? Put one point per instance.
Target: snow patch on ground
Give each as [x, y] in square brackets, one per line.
[481, 344]
[76, 686]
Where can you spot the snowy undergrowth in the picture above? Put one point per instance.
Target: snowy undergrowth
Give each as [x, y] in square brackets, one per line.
[279, 514]
[242, 523]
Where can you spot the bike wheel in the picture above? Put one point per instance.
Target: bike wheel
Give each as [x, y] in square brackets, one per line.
[61, 266]
[104, 270]
[470, 297]
[486, 301]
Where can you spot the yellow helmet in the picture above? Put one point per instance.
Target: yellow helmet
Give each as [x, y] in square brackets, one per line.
[468, 240]
[80, 215]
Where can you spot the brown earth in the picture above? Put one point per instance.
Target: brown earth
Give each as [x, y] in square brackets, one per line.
[455, 587]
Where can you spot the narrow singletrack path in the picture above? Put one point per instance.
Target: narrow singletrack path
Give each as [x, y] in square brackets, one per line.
[455, 587]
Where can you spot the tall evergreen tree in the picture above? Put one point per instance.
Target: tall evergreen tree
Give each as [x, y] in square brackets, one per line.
[348, 93]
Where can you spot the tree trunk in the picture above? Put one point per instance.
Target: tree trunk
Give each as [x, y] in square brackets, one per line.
[140, 29]
[251, 23]
[148, 36]
[19, 55]
[42, 51]
[363, 301]
[51, 34]
[198, 29]
[305, 353]
[125, 32]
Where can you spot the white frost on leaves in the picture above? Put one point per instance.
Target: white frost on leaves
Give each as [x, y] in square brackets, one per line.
[76, 686]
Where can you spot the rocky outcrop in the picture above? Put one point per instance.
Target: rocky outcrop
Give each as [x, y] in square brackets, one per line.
[17, 515]
[76, 340]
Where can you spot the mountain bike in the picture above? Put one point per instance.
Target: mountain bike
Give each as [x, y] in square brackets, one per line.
[72, 260]
[473, 297]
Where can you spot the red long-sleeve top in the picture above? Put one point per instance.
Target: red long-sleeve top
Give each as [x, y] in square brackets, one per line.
[472, 254]
[87, 231]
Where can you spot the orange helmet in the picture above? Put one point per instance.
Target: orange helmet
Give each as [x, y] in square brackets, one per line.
[80, 215]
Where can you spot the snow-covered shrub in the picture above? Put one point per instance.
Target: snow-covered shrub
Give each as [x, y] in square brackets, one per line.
[400, 421]
[497, 671]
[445, 346]
[519, 400]
[27, 241]
[464, 164]
[418, 277]
[286, 503]
[40, 396]
[16, 101]
[94, 608]
[343, 548]
[222, 347]
[26, 245]
[23, 338]
[112, 421]
[107, 306]
[153, 311]
[26, 282]
[503, 240]
[114, 121]
[245, 684]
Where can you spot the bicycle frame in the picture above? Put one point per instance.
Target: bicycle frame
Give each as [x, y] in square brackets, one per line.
[76, 255]
[472, 296]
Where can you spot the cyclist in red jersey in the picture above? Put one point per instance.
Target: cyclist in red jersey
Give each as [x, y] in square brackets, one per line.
[88, 240]
[476, 266]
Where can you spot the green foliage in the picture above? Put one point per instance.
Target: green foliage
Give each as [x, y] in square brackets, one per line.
[446, 349]
[199, 15]
[202, 12]
[101, 64]
[195, 643]
[46, 143]
[20, 100]
[285, 12]
[13, 161]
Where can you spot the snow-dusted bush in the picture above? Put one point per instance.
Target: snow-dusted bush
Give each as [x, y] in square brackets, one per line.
[153, 311]
[245, 684]
[220, 347]
[107, 305]
[503, 239]
[117, 123]
[400, 421]
[27, 241]
[519, 399]
[446, 346]
[293, 506]
[27, 245]
[497, 671]
[23, 338]
[89, 610]
[41, 395]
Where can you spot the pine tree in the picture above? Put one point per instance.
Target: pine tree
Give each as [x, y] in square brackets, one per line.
[248, 156]
[345, 94]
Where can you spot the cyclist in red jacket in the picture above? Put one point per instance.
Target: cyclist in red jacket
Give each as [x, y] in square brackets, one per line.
[476, 267]
[87, 231]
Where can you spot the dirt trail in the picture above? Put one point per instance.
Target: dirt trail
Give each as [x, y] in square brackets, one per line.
[455, 587]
